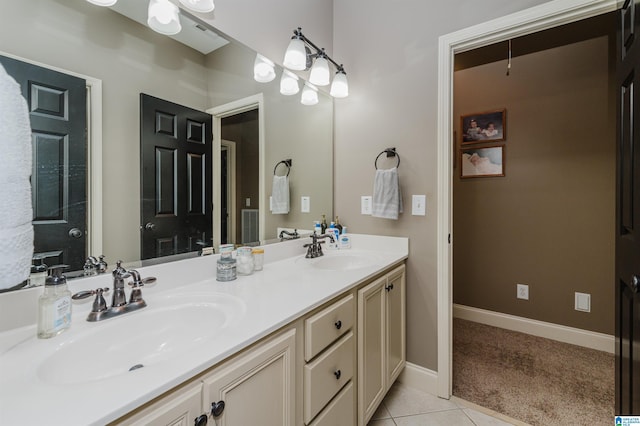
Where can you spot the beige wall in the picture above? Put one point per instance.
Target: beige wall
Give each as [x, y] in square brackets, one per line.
[549, 222]
[390, 53]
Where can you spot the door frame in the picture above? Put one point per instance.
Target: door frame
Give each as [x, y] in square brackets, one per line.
[94, 154]
[535, 19]
[230, 146]
[226, 110]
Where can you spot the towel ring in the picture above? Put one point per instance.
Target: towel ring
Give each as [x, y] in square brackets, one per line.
[287, 163]
[391, 152]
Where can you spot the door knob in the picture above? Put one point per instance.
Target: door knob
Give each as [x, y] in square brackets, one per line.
[635, 283]
[75, 233]
[150, 226]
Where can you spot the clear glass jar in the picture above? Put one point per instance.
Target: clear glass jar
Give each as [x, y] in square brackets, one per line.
[226, 265]
[258, 259]
[244, 257]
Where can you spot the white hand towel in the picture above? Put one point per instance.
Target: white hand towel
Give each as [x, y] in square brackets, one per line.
[16, 230]
[280, 195]
[387, 198]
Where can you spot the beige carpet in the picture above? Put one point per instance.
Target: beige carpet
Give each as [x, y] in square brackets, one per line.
[532, 379]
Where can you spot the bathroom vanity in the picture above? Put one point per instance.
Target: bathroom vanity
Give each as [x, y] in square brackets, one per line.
[305, 341]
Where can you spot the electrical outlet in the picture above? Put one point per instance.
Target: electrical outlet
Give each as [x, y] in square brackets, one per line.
[305, 204]
[365, 204]
[522, 291]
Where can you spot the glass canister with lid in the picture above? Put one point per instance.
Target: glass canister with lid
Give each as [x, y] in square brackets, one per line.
[244, 257]
[258, 259]
[226, 266]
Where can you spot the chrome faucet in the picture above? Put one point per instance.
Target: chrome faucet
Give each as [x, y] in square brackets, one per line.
[289, 235]
[93, 266]
[119, 304]
[314, 249]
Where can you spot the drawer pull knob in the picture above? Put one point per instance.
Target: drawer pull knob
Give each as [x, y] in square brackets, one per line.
[337, 374]
[217, 408]
[201, 421]
[339, 324]
[389, 287]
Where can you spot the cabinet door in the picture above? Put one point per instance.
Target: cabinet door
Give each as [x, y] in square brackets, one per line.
[371, 348]
[396, 325]
[257, 388]
[179, 408]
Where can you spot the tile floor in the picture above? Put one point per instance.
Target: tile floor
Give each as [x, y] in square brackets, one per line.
[406, 406]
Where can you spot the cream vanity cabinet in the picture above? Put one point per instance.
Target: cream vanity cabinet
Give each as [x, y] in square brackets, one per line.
[381, 339]
[256, 387]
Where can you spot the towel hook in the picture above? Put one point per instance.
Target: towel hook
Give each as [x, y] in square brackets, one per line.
[287, 163]
[391, 152]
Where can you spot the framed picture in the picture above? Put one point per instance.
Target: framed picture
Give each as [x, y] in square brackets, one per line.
[484, 127]
[482, 162]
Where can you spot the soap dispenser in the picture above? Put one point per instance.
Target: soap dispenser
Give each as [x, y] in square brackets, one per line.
[54, 305]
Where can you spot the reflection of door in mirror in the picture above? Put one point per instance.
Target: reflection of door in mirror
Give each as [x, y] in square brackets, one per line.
[242, 129]
[58, 116]
[227, 191]
[176, 160]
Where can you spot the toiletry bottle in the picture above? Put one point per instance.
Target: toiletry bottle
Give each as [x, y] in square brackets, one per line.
[317, 228]
[333, 231]
[323, 224]
[54, 305]
[345, 240]
[226, 265]
[338, 225]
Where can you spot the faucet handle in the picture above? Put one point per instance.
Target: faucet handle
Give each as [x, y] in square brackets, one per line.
[140, 282]
[99, 304]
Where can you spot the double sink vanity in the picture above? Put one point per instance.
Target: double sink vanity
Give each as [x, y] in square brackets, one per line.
[304, 341]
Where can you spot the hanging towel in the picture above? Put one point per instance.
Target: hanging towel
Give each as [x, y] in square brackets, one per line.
[280, 195]
[387, 198]
[16, 230]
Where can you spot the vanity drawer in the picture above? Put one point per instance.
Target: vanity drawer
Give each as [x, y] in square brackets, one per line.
[326, 375]
[340, 412]
[327, 325]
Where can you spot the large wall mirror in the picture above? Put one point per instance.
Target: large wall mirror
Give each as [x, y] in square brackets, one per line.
[254, 127]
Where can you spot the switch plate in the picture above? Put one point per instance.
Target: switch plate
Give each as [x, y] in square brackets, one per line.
[365, 204]
[305, 204]
[583, 302]
[419, 205]
[247, 202]
[522, 291]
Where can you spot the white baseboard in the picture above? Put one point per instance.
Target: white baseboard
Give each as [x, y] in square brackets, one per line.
[575, 336]
[419, 378]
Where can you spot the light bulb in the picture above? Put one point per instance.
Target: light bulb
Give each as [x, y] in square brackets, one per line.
[203, 6]
[263, 69]
[289, 83]
[105, 3]
[320, 72]
[340, 86]
[295, 58]
[163, 17]
[309, 95]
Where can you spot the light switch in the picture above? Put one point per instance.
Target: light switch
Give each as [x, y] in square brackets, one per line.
[365, 204]
[419, 205]
[305, 204]
[247, 202]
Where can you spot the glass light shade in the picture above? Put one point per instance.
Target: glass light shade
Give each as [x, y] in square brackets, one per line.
[163, 17]
[289, 83]
[105, 3]
[309, 95]
[320, 72]
[340, 86]
[263, 69]
[203, 6]
[295, 58]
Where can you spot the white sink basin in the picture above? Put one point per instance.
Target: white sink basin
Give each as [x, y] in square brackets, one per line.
[342, 261]
[139, 339]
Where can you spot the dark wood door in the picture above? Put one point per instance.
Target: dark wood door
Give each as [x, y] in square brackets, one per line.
[628, 212]
[176, 178]
[58, 114]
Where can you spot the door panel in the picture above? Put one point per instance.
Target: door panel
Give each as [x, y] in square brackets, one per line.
[176, 148]
[58, 115]
[628, 204]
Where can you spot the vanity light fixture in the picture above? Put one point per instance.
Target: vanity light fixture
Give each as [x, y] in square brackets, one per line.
[105, 3]
[263, 69]
[299, 57]
[203, 6]
[309, 95]
[289, 83]
[163, 17]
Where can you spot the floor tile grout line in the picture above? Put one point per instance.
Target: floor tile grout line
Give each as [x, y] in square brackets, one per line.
[426, 413]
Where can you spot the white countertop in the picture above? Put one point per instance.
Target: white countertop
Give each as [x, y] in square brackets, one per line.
[287, 288]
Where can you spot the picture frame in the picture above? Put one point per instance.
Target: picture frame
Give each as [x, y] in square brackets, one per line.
[486, 161]
[490, 126]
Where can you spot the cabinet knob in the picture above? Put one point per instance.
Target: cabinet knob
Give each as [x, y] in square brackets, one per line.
[339, 324]
[217, 408]
[389, 287]
[337, 373]
[201, 420]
